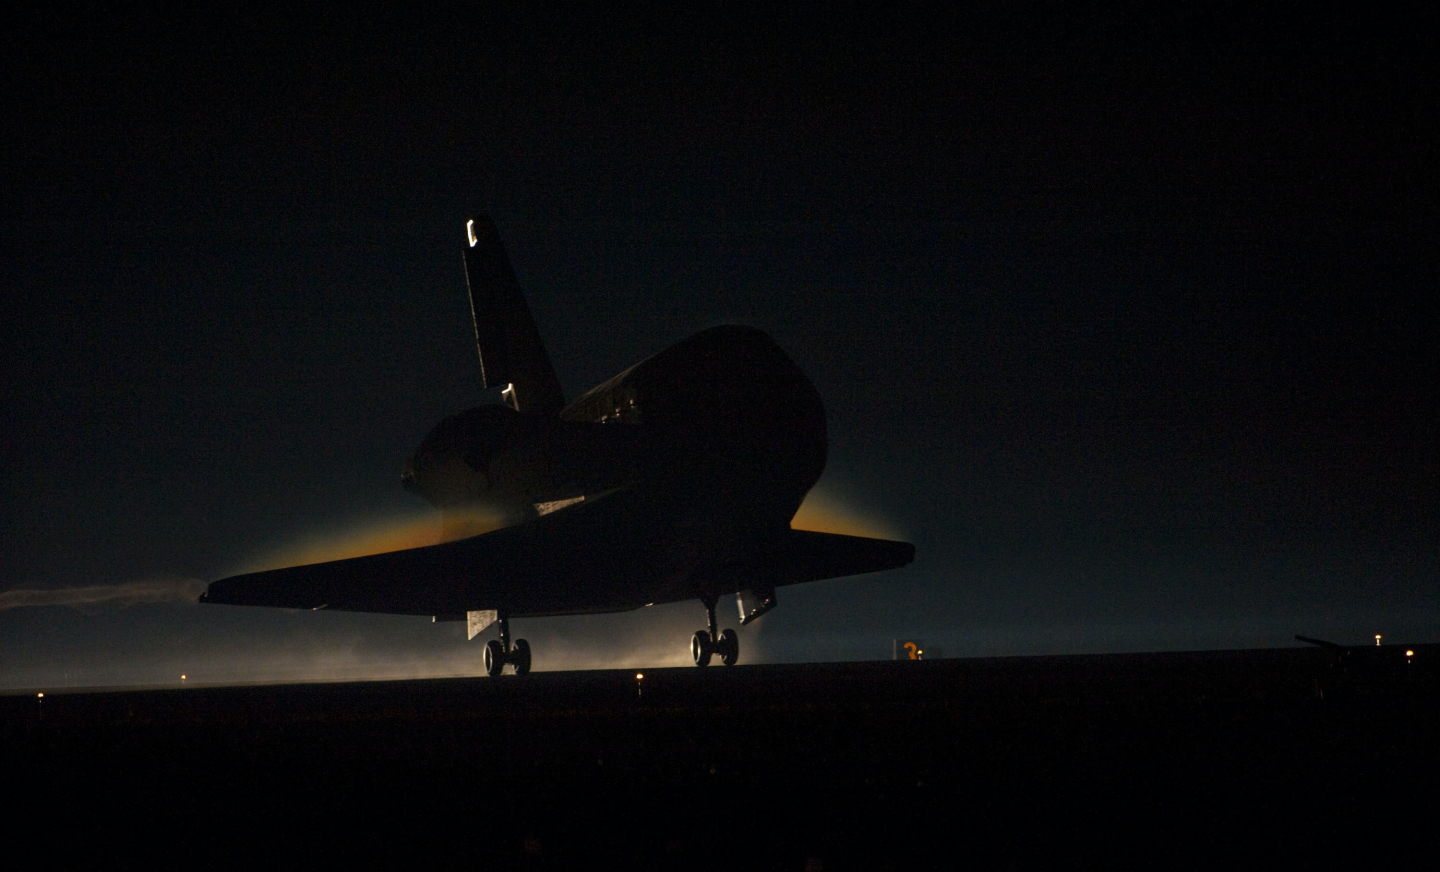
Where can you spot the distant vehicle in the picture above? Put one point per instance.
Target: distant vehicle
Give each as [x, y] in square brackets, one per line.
[1368, 654]
[677, 479]
[1365, 667]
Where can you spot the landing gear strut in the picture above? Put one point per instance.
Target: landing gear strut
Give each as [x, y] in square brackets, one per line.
[707, 643]
[499, 652]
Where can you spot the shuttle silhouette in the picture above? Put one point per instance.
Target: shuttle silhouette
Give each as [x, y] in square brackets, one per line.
[677, 479]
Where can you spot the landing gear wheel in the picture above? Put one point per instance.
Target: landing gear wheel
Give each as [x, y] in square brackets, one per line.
[728, 647]
[520, 656]
[494, 658]
[701, 648]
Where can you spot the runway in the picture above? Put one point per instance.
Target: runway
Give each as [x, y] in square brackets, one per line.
[1241, 758]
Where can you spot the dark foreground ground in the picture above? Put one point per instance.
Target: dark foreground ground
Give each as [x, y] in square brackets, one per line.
[1245, 759]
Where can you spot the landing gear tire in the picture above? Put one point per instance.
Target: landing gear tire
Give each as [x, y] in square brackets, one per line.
[501, 651]
[520, 656]
[495, 658]
[701, 648]
[728, 647]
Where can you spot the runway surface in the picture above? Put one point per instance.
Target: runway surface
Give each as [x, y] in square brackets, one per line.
[1243, 758]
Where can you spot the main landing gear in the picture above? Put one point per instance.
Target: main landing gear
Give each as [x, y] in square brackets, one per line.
[707, 643]
[499, 652]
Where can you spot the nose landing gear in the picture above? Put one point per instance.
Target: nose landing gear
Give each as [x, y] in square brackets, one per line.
[707, 643]
[499, 652]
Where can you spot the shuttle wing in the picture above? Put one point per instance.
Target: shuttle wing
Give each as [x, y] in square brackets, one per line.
[578, 559]
[612, 553]
[803, 555]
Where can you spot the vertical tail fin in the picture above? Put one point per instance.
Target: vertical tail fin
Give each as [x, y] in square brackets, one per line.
[511, 353]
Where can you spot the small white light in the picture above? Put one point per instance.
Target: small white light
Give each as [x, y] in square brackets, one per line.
[470, 231]
[1409, 653]
[182, 676]
[39, 696]
[639, 676]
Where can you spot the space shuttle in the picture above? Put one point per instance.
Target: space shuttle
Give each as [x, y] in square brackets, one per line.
[675, 480]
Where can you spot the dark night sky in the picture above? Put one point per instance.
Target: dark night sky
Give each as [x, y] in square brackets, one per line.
[1128, 322]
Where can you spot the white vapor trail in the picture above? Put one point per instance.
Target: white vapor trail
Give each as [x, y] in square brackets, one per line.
[149, 591]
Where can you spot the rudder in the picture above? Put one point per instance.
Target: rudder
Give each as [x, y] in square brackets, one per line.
[512, 355]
